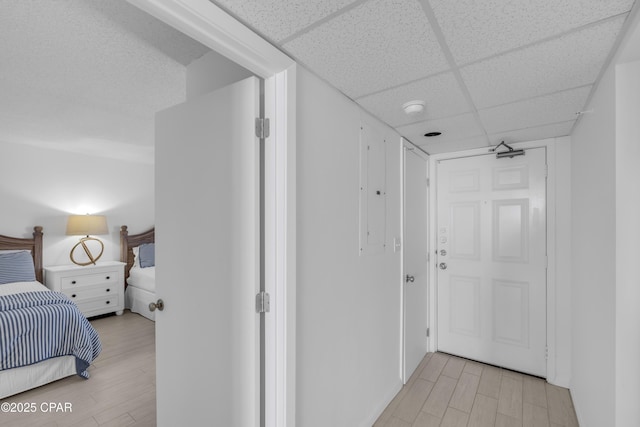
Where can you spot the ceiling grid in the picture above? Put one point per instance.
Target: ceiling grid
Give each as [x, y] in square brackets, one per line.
[490, 70]
[520, 70]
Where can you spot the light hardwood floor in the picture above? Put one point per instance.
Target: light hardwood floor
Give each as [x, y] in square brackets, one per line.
[122, 388]
[450, 391]
[444, 391]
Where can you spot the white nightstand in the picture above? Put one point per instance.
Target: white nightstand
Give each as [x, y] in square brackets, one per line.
[96, 289]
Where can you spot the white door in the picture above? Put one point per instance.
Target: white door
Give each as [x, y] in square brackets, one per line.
[415, 252]
[491, 260]
[207, 238]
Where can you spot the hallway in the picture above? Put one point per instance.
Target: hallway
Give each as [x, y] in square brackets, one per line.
[450, 391]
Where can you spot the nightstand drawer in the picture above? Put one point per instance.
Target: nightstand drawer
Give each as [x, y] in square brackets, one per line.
[102, 305]
[91, 292]
[77, 281]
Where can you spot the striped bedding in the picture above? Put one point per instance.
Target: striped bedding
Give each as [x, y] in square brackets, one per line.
[36, 326]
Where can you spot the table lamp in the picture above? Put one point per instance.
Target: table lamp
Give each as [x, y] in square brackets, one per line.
[85, 225]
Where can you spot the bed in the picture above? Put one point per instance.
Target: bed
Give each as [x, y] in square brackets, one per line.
[138, 252]
[43, 335]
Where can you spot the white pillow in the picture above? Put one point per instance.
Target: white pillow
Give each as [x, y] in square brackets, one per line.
[136, 258]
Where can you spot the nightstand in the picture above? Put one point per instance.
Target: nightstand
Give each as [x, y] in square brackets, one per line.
[96, 289]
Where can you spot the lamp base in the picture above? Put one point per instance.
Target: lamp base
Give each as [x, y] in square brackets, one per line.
[92, 259]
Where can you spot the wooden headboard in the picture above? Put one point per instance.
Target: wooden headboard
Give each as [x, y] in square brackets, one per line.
[128, 242]
[34, 245]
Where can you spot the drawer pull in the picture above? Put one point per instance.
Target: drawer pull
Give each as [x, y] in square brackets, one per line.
[108, 290]
[108, 277]
[73, 295]
[73, 282]
[108, 302]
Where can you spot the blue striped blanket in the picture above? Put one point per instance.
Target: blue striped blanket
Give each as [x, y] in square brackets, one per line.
[35, 326]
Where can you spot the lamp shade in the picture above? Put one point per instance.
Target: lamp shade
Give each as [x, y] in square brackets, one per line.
[85, 225]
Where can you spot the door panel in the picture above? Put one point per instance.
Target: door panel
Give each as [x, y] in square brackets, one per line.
[491, 240]
[465, 230]
[207, 235]
[464, 305]
[510, 240]
[415, 251]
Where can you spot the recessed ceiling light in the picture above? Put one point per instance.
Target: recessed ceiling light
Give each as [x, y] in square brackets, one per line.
[430, 134]
[413, 107]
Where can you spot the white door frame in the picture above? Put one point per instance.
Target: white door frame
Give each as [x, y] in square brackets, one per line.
[208, 24]
[551, 243]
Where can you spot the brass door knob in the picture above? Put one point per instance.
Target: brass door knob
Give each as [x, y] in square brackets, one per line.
[159, 305]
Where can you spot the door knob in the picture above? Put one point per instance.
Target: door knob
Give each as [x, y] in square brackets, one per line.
[409, 279]
[443, 266]
[159, 305]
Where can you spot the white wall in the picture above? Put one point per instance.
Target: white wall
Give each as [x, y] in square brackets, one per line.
[593, 259]
[627, 243]
[605, 234]
[41, 186]
[348, 306]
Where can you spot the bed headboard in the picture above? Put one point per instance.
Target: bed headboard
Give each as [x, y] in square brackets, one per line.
[34, 245]
[128, 242]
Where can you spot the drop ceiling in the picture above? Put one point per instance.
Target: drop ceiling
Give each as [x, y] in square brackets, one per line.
[492, 70]
[89, 75]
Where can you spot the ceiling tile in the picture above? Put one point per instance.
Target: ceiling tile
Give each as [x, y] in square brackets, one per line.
[477, 29]
[93, 72]
[137, 23]
[569, 61]
[78, 71]
[375, 46]
[534, 133]
[90, 61]
[558, 107]
[441, 93]
[279, 19]
[453, 129]
[453, 146]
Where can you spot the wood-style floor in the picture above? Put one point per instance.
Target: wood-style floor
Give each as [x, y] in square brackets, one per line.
[122, 388]
[450, 391]
[444, 391]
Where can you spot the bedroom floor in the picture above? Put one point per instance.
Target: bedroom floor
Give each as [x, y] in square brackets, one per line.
[120, 392]
[450, 391]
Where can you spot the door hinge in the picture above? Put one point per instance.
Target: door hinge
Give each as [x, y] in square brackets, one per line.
[263, 304]
[427, 332]
[262, 128]
[546, 353]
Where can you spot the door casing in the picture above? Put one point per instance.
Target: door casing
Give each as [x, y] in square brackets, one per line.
[471, 297]
[216, 29]
[550, 238]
